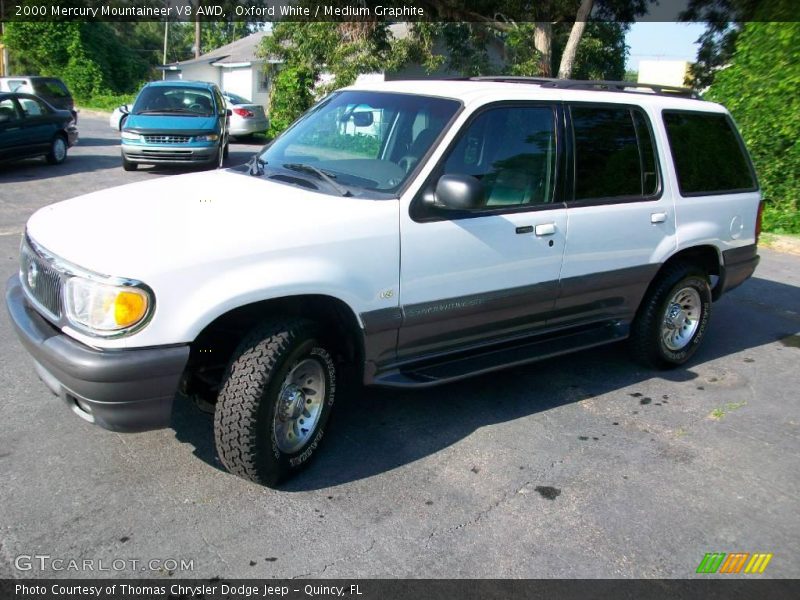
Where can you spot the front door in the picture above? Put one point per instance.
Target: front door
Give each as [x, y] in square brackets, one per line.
[475, 276]
[12, 137]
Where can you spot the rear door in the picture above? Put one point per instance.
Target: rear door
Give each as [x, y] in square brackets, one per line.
[38, 122]
[621, 214]
[482, 275]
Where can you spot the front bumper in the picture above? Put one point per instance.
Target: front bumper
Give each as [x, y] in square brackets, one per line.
[120, 390]
[174, 155]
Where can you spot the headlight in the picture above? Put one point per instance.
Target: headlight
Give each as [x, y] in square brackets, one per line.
[212, 137]
[105, 309]
[129, 135]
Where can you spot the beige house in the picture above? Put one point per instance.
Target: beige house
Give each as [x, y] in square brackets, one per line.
[234, 68]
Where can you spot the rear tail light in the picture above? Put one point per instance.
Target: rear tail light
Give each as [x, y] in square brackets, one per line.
[243, 112]
[758, 220]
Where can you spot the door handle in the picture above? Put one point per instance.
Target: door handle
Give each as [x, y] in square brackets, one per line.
[545, 229]
[660, 217]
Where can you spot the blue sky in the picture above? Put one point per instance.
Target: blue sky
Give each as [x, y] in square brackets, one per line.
[662, 40]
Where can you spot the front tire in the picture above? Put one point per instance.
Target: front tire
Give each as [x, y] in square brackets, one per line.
[673, 317]
[128, 165]
[275, 401]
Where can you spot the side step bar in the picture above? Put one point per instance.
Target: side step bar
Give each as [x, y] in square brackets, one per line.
[492, 358]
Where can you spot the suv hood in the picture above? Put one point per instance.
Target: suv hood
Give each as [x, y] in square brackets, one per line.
[171, 123]
[143, 230]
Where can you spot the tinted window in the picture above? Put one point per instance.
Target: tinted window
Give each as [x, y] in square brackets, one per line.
[707, 153]
[512, 150]
[614, 153]
[51, 87]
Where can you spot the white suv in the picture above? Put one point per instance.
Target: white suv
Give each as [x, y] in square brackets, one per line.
[410, 233]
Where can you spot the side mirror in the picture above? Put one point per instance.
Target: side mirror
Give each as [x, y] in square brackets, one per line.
[228, 112]
[124, 109]
[363, 118]
[460, 192]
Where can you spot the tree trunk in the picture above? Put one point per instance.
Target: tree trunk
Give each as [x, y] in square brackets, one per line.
[196, 30]
[571, 49]
[543, 42]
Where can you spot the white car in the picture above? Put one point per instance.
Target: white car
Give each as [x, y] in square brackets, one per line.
[117, 118]
[246, 118]
[407, 233]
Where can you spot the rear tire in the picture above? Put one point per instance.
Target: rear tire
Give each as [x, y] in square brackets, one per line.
[275, 401]
[58, 151]
[672, 318]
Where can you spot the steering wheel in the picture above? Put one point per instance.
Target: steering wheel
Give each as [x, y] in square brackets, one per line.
[196, 107]
[408, 162]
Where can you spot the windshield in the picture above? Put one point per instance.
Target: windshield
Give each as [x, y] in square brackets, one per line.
[163, 99]
[236, 99]
[371, 140]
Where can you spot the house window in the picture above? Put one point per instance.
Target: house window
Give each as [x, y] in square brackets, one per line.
[265, 76]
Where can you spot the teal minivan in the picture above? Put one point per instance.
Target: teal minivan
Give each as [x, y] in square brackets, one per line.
[176, 123]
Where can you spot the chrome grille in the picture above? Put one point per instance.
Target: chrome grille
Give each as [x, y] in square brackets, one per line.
[41, 281]
[167, 139]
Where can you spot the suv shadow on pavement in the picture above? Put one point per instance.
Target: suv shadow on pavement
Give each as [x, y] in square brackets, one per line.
[75, 164]
[381, 429]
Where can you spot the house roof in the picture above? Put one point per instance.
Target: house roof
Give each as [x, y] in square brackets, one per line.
[241, 52]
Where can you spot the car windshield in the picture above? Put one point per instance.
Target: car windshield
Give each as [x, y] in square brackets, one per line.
[163, 99]
[369, 140]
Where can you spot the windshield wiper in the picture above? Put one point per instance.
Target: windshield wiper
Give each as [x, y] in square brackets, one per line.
[326, 177]
[256, 165]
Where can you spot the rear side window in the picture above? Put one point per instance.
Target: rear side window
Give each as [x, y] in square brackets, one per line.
[708, 154]
[51, 87]
[614, 153]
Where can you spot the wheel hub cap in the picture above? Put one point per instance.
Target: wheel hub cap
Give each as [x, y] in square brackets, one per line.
[299, 405]
[681, 319]
[291, 402]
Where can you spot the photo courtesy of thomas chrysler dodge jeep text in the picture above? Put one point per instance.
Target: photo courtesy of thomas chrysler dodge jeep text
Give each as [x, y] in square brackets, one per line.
[407, 233]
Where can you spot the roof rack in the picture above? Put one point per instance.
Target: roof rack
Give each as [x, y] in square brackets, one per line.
[598, 85]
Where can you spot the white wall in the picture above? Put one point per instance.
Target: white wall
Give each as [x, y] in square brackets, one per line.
[237, 80]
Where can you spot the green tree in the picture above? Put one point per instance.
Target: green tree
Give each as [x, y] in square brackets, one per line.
[88, 56]
[759, 87]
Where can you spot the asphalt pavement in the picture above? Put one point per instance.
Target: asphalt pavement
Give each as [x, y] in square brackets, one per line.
[581, 466]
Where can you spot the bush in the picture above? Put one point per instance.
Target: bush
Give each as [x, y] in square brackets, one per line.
[108, 101]
[759, 87]
[289, 98]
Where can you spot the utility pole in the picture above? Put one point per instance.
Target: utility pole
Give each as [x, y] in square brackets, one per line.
[3, 49]
[196, 30]
[166, 38]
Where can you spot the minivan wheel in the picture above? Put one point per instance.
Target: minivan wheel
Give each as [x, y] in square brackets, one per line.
[275, 401]
[128, 165]
[672, 318]
[58, 151]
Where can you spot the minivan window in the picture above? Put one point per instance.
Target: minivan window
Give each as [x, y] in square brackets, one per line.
[164, 99]
[708, 154]
[512, 151]
[614, 153]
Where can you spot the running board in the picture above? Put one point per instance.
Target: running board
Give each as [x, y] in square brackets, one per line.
[492, 358]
